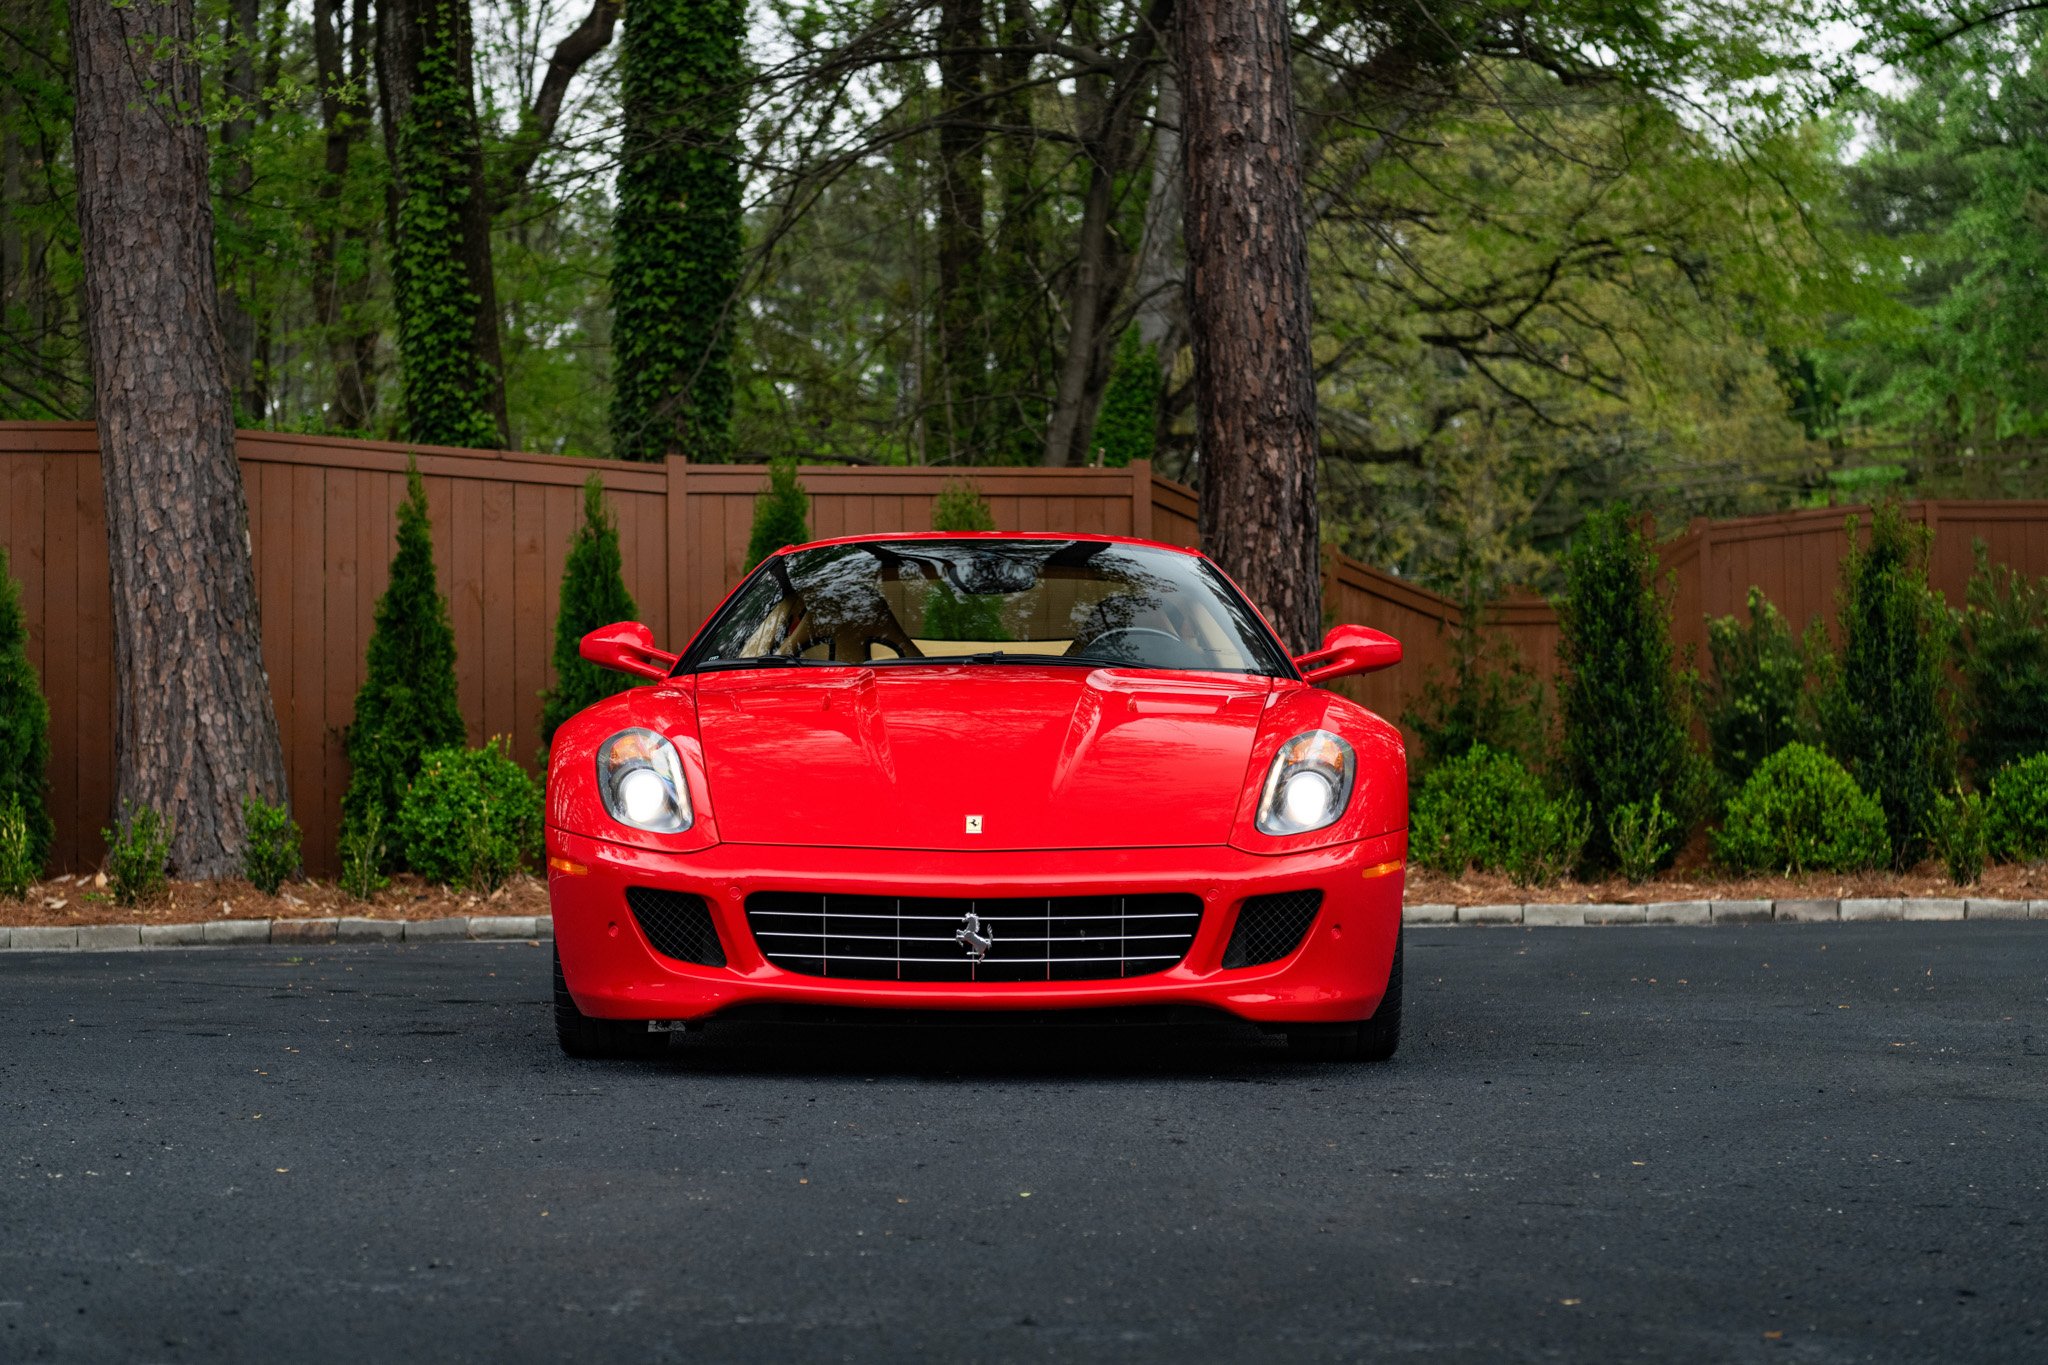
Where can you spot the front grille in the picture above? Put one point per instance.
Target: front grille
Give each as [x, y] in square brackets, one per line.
[677, 924]
[1271, 927]
[915, 938]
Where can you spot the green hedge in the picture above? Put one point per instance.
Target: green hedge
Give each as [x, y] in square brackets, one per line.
[1800, 811]
[1486, 810]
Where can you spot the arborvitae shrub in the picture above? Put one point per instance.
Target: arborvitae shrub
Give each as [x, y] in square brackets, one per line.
[472, 817]
[1128, 422]
[593, 594]
[24, 724]
[2016, 817]
[272, 851]
[961, 507]
[1486, 810]
[779, 514]
[1757, 702]
[138, 852]
[2003, 658]
[1885, 711]
[1485, 694]
[1800, 811]
[407, 703]
[1624, 712]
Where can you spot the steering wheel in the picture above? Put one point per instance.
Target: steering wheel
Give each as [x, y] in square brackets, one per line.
[1128, 644]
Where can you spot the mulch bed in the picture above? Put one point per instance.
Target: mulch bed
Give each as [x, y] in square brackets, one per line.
[1699, 882]
[85, 900]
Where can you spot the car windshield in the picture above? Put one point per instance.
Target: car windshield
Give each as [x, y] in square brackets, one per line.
[906, 602]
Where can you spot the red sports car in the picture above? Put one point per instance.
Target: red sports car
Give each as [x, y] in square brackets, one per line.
[993, 772]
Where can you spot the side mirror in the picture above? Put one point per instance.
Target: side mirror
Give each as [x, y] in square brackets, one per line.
[627, 647]
[1348, 650]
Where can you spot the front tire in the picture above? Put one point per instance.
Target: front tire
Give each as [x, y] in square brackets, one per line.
[1369, 1040]
[603, 1039]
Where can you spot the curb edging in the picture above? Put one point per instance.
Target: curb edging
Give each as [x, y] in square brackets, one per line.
[289, 932]
[1916, 909]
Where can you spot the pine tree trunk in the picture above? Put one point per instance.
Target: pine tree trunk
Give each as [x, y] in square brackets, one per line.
[1249, 309]
[238, 326]
[340, 246]
[194, 727]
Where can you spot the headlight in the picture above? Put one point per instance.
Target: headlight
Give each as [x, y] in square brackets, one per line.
[640, 777]
[1308, 784]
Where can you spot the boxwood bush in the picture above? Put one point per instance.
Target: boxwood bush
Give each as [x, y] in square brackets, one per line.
[471, 818]
[1800, 811]
[2016, 816]
[1484, 809]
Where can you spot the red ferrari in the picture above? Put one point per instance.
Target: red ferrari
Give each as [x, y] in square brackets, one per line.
[991, 772]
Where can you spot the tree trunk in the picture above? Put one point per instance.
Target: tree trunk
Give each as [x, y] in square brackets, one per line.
[1161, 273]
[238, 326]
[446, 300]
[340, 249]
[962, 369]
[1248, 309]
[1017, 327]
[194, 727]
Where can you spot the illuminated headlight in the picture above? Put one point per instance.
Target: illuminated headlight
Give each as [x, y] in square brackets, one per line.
[1308, 784]
[640, 777]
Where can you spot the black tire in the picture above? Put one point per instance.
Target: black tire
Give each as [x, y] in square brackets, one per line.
[582, 1036]
[1369, 1040]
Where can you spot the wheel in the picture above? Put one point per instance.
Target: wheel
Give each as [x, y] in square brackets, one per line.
[1368, 1040]
[582, 1036]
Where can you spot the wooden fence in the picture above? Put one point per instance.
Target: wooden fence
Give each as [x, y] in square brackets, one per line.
[321, 514]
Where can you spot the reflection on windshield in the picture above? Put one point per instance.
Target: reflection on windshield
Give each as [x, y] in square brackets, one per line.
[901, 603]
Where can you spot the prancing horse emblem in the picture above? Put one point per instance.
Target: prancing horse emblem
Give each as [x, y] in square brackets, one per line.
[972, 936]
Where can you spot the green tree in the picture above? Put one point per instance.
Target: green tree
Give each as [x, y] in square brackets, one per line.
[2003, 657]
[779, 514]
[593, 594]
[676, 236]
[1885, 711]
[1625, 716]
[961, 507]
[407, 703]
[24, 723]
[1129, 422]
[1756, 703]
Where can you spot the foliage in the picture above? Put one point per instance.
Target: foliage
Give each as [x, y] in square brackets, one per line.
[1485, 694]
[24, 724]
[2002, 655]
[1800, 811]
[407, 703]
[1884, 710]
[2016, 818]
[1956, 832]
[472, 817]
[271, 853]
[593, 594]
[138, 852]
[1128, 424]
[363, 854]
[961, 507]
[19, 867]
[1640, 835]
[1486, 810]
[1757, 702]
[675, 274]
[448, 384]
[1625, 724]
[779, 514]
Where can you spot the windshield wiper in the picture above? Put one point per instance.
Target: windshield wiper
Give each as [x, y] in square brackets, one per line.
[765, 661]
[992, 656]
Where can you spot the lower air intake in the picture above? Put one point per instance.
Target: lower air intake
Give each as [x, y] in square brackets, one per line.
[1271, 927]
[678, 924]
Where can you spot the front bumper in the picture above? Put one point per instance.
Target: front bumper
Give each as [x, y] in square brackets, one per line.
[1337, 974]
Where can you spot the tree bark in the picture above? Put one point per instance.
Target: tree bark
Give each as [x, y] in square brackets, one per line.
[340, 249]
[1248, 309]
[237, 324]
[962, 363]
[194, 726]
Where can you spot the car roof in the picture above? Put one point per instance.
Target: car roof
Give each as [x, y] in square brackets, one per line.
[874, 537]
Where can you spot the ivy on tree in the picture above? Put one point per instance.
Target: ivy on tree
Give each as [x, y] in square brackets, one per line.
[24, 722]
[676, 234]
[407, 704]
[593, 594]
[1129, 421]
[778, 514]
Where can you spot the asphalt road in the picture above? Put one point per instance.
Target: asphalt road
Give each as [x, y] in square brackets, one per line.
[1797, 1142]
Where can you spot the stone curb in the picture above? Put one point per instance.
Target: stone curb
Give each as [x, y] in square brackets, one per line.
[299, 932]
[1854, 911]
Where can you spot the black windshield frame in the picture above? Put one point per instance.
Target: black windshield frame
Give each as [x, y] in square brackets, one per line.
[1270, 657]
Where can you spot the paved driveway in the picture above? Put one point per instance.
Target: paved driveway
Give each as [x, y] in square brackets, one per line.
[1807, 1142]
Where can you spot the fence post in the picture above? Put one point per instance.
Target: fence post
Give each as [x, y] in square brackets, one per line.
[678, 505]
[1141, 499]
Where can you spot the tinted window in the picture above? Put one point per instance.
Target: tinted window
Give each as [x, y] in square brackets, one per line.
[989, 602]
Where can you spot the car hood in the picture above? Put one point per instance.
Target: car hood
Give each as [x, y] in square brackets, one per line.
[1044, 757]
